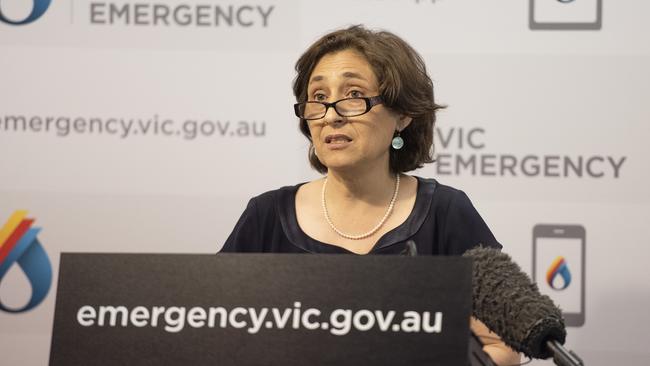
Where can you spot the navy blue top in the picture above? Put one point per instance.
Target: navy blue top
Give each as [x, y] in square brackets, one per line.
[443, 222]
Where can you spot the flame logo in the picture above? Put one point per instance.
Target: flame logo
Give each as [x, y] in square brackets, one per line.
[19, 245]
[558, 268]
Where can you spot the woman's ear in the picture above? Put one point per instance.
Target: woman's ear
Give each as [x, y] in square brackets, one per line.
[403, 122]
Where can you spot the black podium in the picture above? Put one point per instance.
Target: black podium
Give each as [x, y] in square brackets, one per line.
[261, 309]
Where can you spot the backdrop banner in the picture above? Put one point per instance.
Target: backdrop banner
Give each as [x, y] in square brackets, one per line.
[146, 126]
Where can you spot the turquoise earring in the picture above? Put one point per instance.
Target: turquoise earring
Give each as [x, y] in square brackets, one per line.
[398, 142]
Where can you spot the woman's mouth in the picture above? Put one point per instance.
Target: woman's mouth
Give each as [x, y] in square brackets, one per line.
[337, 141]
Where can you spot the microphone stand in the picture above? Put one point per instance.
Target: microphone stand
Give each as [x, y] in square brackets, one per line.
[563, 356]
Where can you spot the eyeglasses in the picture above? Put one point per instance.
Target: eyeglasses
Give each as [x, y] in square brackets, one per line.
[348, 107]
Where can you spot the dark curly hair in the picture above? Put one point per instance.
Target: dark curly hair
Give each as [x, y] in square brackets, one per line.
[404, 86]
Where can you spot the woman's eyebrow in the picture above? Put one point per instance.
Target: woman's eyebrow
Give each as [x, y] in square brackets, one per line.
[353, 75]
[347, 75]
[316, 78]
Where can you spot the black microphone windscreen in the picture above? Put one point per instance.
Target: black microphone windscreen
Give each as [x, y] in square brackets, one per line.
[509, 303]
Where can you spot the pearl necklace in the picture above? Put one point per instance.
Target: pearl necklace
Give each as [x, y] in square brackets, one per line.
[373, 230]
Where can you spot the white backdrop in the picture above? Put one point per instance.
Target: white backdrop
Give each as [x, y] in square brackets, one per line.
[196, 117]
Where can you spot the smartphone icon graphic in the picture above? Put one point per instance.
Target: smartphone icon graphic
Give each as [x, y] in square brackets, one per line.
[559, 268]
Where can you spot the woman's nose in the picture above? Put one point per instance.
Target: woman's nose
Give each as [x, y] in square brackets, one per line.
[332, 118]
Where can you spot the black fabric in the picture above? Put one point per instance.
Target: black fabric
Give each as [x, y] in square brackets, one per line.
[443, 222]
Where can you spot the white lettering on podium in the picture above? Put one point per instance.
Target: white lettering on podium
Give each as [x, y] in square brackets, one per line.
[113, 312]
[339, 322]
[139, 316]
[86, 315]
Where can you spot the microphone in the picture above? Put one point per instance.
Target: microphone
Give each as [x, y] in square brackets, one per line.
[510, 304]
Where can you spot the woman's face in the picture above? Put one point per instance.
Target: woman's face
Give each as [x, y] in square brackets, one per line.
[349, 142]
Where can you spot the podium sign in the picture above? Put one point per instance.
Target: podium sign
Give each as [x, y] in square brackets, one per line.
[261, 309]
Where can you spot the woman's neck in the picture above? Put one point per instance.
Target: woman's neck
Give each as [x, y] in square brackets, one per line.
[373, 186]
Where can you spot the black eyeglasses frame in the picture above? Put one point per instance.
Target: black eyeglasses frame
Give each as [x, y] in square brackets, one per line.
[370, 102]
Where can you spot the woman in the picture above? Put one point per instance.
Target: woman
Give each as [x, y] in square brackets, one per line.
[366, 106]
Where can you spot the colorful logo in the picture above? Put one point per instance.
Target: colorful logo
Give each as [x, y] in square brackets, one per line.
[18, 244]
[39, 8]
[558, 268]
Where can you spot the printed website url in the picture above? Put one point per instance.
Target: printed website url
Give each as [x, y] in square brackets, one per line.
[121, 127]
[338, 322]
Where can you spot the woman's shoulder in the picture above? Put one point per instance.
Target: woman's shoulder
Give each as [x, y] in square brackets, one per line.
[276, 196]
[440, 194]
[257, 225]
[459, 223]
[443, 200]
[282, 199]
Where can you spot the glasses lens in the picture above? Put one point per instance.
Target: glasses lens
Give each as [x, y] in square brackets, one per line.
[312, 110]
[351, 107]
